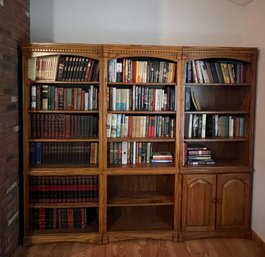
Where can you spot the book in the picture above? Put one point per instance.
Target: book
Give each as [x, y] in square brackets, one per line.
[195, 101]
[162, 156]
[187, 98]
[32, 62]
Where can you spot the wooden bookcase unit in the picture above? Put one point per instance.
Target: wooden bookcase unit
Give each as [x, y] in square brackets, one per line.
[109, 137]
[216, 197]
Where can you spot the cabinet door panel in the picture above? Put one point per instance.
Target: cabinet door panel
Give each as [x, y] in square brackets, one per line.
[233, 201]
[198, 208]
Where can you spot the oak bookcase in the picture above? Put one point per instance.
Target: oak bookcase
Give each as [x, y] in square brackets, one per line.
[133, 141]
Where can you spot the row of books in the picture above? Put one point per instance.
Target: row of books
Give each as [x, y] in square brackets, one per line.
[136, 153]
[197, 154]
[63, 153]
[141, 98]
[129, 152]
[50, 97]
[61, 218]
[63, 68]
[213, 125]
[45, 125]
[141, 71]
[121, 125]
[201, 71]
[63, 189]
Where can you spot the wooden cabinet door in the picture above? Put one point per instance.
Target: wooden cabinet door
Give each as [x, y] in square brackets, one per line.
[198, 206]
[233, 202]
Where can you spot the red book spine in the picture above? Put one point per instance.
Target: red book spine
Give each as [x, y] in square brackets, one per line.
[42, 218]
[70, 217]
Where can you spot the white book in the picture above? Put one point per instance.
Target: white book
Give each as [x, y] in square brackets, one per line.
[90, 102]
[86, 100]
[231, 126]
[118, 125]
[33, 97]
[190, 126]
[114, 98]
[133, 98]
[109, 118]
[126, 126]
[32, 68]
[204, 72]
[113, 125]
[216, 122]
[203, 134]
[148, 152]
[124, 147]
[199, 71]
[134, 153]
[127, 95]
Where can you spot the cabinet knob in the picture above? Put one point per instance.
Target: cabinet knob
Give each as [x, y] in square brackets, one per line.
[214, 200]
[219, 200]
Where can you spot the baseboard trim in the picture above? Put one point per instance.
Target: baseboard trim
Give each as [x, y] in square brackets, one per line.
[258, 240]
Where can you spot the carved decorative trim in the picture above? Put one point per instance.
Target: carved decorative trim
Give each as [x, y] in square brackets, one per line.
[217, 54]
[147, 52]
[60, 50]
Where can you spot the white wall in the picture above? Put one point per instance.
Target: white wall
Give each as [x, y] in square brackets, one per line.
[254, 35]
[203, 22]
[167, 22]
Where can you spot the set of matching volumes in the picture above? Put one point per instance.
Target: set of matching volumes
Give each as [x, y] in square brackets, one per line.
[63, 68]
[141, 71]
[129, 152]
[197, 154]
[141, 98]
[61, 218]
[56, 189]
[63, 153]
[50, 97]
[52, 125]
[121, 125]
[225, 72]
[213, 125]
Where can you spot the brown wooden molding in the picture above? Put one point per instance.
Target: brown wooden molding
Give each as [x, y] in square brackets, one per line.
[258, 240]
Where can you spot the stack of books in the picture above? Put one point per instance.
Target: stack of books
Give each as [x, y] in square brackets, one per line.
[161, 157]
[198, 154]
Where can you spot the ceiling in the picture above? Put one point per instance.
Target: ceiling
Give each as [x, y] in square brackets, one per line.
[240, 2]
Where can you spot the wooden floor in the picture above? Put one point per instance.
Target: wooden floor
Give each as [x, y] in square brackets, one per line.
[149, 248]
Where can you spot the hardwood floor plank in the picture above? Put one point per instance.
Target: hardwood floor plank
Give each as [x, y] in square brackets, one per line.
[154, 248]
[150, 248]
[241, 248]
[177, 249]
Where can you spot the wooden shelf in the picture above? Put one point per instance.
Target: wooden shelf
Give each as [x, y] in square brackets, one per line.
[145, 112]
[65, 140]
[217, 85]
[64, 111]
[85, 236]
[140, 84]
[64, 205]
[219, 139]
[138, 221]
[229, 112]
[140, 199]
[62, 171]
[76, 83]
[141, 139]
